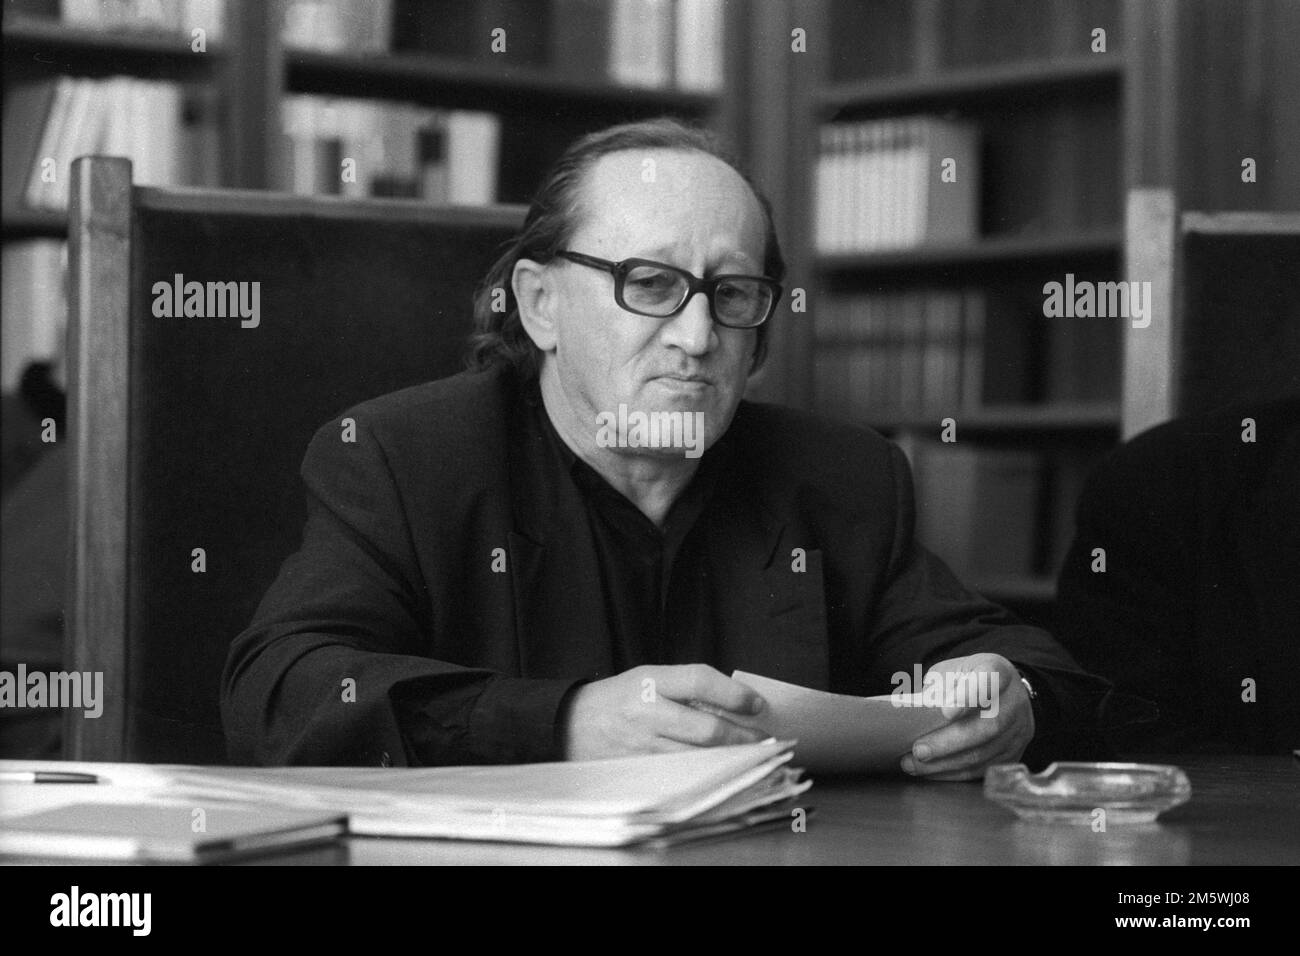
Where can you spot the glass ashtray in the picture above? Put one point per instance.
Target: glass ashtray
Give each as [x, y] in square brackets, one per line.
[1074, 792]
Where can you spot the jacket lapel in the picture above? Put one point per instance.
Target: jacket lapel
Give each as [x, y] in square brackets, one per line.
[770, 606]
[561, 628]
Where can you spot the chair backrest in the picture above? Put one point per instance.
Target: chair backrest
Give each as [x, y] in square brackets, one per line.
[1225, 321]
[190, 407]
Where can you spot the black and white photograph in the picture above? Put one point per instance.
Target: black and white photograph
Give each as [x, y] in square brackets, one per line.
[780, 433]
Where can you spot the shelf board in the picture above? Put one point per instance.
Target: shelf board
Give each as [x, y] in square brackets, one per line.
[953, 86]
[439, 81]
[1053, 416]
[1015, 587]
[999, 250]
[56, 47]
[34, 223]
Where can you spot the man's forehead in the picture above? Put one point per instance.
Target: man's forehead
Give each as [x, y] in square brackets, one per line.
[658, 193]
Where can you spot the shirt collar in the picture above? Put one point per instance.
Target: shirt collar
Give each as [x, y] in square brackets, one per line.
[591, 482]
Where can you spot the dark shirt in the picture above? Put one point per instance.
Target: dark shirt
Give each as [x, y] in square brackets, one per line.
[655, 585]
[655, 581]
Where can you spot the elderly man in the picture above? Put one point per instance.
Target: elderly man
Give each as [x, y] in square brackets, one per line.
[562, 553]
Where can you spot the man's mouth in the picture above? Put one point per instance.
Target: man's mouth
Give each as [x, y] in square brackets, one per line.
[686, 379]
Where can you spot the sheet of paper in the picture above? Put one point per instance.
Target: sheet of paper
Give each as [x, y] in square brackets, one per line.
[838, 733]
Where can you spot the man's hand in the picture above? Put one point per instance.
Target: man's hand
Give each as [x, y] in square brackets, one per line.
[969, 743]
[658, 709]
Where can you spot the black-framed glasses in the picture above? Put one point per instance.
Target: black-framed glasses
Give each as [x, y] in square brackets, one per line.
[653, 288]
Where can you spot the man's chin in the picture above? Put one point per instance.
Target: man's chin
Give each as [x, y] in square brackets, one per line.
[677, 427]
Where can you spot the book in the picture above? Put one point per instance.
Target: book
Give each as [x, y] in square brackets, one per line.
[880, 184]
[641, 42]
[144, 120]
[33, 305]
[699, 47]
[157, 833]
[338, 25]
[27, 111]
[976, 507]
[176, 17]
[473, 154]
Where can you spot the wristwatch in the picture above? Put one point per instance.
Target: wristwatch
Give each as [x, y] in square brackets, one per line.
[1033, 694]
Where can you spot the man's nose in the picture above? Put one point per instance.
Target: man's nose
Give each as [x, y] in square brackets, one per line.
[691, 329]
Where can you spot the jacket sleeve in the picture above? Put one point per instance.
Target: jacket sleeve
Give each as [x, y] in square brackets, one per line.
[331, 671]
[924, 615]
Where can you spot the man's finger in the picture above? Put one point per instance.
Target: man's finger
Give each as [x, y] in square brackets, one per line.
[972, 758]
[957, 737]
[706, 686]
[689, 725]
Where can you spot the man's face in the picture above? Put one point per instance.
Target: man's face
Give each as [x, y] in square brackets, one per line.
[682, 208]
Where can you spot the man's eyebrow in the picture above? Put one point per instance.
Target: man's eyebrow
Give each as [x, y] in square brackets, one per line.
[664, 254]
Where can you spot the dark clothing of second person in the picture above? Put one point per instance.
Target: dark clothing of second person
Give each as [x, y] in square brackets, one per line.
[1198, 608]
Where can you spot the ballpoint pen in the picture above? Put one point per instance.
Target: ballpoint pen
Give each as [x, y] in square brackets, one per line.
[46, 776]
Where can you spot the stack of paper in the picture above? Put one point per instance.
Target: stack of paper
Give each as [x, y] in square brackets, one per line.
[617, 802]
[592, 803]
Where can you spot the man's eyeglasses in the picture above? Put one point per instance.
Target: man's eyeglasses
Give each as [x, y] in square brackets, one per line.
[653, 288]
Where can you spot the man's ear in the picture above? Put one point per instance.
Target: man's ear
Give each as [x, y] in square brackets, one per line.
[535, 295]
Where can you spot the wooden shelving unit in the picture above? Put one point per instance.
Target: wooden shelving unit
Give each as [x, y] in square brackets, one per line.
[1010, 251]
[1057, 417]
[51, 46]
[34, 224]
[252, 71]
[1051, 77]
[955, 87]
[441, 81]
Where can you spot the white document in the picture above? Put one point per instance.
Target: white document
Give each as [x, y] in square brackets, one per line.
[612, 802]
[839, 733]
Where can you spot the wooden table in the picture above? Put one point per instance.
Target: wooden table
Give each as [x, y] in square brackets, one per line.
[1243, 811]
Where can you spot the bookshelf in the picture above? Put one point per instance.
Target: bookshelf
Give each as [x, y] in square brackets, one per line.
[1048, 113]
[1184, 90]
[553, 81]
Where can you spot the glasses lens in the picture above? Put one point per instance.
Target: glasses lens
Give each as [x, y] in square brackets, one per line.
[742, 301]
[654, 290]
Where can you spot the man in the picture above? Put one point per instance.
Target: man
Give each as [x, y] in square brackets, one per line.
[1183, 582]
[508, 566]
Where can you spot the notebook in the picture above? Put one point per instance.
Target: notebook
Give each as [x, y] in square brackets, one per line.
[149, 832]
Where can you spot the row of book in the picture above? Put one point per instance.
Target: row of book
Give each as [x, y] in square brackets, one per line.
[918, 351]
[896, 183]
[168, 130]
[340, 26]
[33, 305]
[350, 147]
[164, 16]
[881, 39]
[881, 356]
[643, 43]
[992, 512]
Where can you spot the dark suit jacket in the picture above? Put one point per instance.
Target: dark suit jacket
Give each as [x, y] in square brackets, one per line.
[394, 585]
[1202, 583]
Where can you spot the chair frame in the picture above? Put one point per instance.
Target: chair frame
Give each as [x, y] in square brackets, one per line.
[101, 219]
[1153, 250]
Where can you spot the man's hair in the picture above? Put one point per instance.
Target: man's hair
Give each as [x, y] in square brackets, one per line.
[499, 336]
